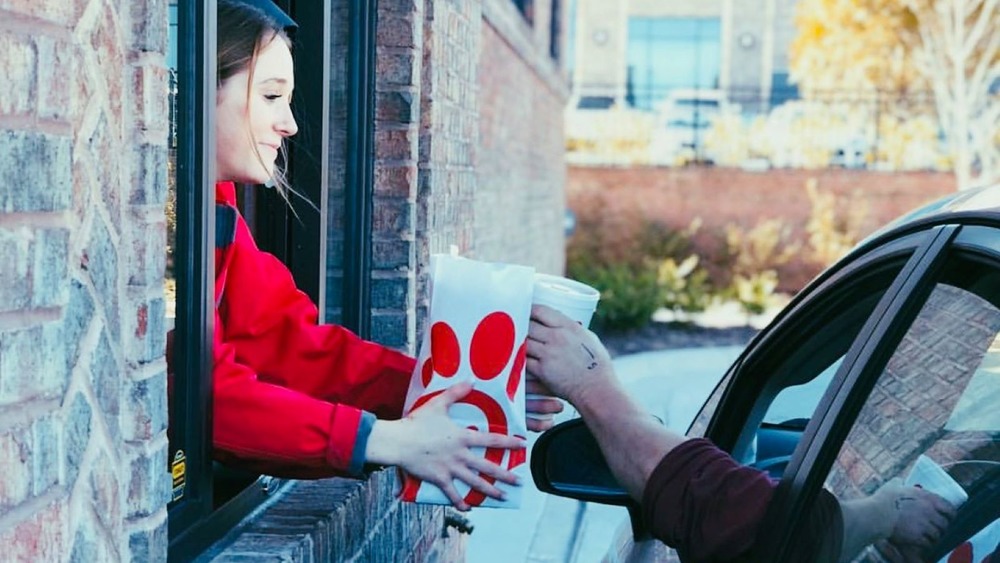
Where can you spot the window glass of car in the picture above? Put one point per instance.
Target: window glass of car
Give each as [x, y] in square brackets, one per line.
[935, 409]
[788, 371]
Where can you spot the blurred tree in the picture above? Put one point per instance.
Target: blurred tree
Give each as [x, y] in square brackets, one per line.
[855, 45]
[951, 47]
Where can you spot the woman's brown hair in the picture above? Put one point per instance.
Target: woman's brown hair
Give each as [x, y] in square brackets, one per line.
[243, 31]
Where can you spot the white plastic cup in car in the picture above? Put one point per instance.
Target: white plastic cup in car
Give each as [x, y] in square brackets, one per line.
[576, 300]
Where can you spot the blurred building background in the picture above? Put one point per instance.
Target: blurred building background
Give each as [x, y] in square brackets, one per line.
[667, 82]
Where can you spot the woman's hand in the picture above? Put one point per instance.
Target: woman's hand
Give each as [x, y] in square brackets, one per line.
[431, 447]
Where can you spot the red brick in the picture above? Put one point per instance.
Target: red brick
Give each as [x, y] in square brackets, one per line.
[59, 12]
[55, 67]
[15, 458]
[149, 86]
[396, 181]
[395, 145]
[41, 537]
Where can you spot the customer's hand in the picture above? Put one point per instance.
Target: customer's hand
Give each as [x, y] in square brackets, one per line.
[565, 356]
[921, 519]
[545, 406]
[431, 447]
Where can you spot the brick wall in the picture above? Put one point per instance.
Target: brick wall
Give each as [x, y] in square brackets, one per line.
[449, 113]
[83, 129]
[519, 199]
[726, 196]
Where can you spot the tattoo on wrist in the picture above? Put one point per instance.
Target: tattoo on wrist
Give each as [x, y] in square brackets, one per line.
[593, 358]
[900, 500]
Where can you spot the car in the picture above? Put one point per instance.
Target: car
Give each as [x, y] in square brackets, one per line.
[888, 360]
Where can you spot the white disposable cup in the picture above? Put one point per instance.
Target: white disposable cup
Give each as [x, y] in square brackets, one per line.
[576, 300]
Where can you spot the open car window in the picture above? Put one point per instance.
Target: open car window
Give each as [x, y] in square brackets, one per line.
[933, 416]
[791, 370]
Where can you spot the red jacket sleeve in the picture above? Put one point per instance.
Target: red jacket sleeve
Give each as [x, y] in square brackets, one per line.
[291, 395]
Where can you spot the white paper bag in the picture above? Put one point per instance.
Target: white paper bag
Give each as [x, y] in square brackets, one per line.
[477, 328]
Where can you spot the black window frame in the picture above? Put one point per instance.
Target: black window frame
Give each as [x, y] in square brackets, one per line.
[190, 416]
[297, 235]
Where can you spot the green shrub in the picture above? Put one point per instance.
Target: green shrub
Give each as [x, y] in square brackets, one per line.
[629, 294]
[684, 286]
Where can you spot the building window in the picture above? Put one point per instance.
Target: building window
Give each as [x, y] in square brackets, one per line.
[664, 54]
[555, 31]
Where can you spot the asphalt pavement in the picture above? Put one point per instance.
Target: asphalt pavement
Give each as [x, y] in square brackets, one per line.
[671, 384]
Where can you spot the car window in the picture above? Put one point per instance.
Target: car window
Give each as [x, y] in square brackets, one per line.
[935, 409]
[790, 375]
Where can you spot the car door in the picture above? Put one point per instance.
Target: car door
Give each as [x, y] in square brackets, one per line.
[761, 409]
[919, 387]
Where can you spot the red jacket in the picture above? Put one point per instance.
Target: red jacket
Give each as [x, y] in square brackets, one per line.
[291, 398]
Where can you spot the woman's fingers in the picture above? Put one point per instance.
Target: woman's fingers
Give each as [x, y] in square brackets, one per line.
[453, 394]
[477, 482]
[448, 488]
[493, 440]
[486, 467]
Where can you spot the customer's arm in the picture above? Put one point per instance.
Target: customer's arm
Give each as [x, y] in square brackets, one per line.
[696, 497]
[573, 363]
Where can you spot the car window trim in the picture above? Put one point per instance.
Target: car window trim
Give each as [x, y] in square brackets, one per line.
[839, 408]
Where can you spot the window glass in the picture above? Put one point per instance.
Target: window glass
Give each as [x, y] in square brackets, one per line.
[937, 405]
[170, 281]
[791, 374]
[668, 53]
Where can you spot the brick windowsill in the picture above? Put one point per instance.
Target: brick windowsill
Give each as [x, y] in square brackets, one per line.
[339, 520]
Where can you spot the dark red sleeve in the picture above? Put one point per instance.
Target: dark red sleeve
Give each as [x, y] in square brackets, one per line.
[708, 507]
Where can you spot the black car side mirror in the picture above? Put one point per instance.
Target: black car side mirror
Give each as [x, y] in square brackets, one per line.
[566, 461]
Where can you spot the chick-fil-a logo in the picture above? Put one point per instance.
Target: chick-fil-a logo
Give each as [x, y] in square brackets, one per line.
[490, 350]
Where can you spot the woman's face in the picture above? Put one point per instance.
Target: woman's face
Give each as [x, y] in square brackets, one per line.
[249, 130]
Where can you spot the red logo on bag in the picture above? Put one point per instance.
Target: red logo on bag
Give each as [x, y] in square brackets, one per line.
[491, 348]
[496, 421]
[492, 344]
[515, 373]
[445, 352]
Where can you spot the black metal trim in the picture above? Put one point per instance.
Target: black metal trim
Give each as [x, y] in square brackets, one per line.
[308, 149]
[191, 419]
[356, 314]
[219, 528]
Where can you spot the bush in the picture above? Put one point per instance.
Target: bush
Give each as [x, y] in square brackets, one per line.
[629, 294]
[638, 265]
[685, 286]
